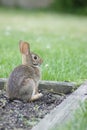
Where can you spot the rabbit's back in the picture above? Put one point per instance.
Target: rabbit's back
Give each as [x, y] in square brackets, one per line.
[16, 82]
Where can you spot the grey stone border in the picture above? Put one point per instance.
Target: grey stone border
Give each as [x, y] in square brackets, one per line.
[3, 82]
[52, 86]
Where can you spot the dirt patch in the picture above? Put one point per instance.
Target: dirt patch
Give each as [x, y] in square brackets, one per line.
[18, 114]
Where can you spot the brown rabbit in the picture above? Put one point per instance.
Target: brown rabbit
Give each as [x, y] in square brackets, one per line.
[24, 79]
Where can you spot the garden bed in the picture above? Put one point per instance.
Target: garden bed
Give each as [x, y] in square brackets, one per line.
[17, 114]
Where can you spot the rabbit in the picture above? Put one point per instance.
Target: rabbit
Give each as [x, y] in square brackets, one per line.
[24, 80]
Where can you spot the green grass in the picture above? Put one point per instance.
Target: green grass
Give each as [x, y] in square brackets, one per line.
[61, 40]
[78, 122]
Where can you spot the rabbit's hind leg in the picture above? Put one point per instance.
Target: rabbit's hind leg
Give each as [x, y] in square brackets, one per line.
[28, 91]
[35, 95]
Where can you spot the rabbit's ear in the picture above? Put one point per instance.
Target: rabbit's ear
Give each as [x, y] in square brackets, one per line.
[24, 47]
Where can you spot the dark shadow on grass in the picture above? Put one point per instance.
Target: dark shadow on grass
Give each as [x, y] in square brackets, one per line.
[51, 10]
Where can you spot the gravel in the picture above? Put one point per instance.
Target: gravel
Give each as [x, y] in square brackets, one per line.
[17, 114]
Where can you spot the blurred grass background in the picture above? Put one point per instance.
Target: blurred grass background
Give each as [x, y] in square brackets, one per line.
[60, 39]
[70, 6]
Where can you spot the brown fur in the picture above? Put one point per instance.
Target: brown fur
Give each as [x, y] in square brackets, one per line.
[24, 79]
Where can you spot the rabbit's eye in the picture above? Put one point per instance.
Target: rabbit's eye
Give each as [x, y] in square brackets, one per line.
[35, 57]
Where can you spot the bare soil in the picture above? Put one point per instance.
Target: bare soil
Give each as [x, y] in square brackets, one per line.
[18, 114]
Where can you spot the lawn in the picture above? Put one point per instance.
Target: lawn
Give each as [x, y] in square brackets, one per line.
[61, 40]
